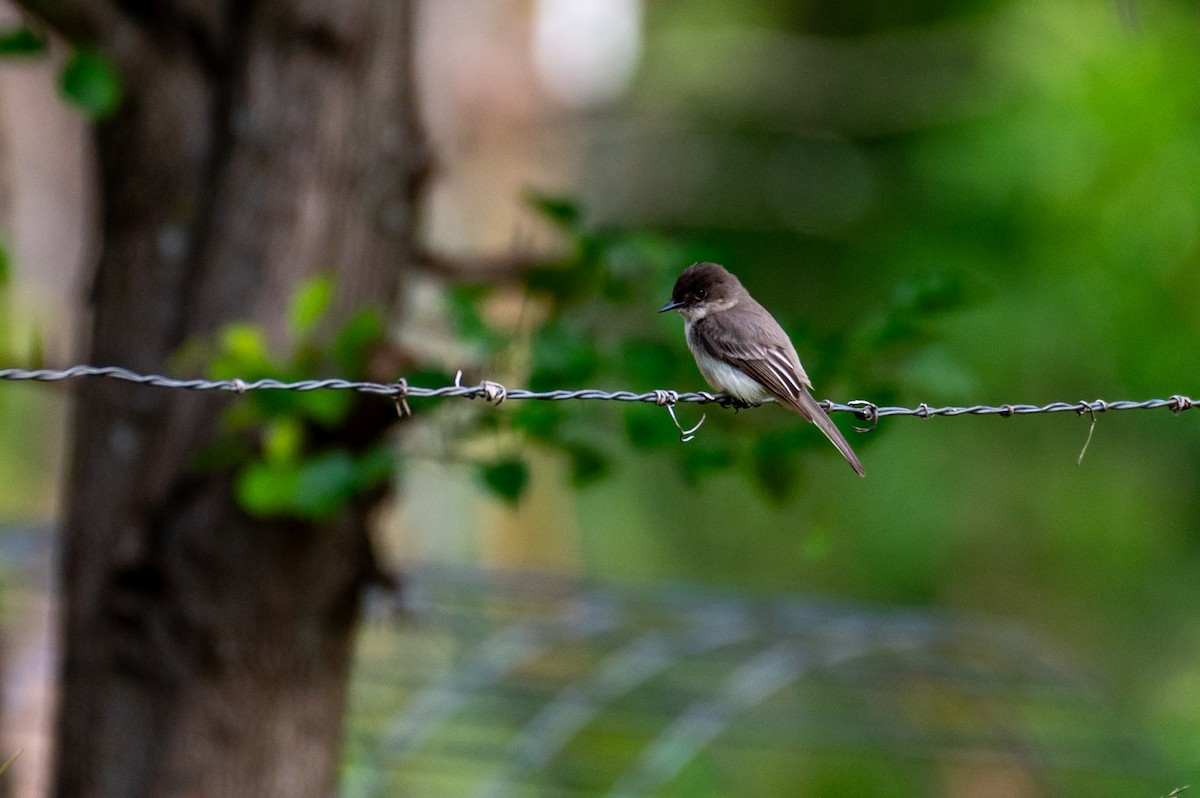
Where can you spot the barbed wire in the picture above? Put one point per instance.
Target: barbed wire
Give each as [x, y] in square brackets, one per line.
[495, 393]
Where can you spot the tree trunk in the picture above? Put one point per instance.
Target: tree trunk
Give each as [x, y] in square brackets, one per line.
[206, 653]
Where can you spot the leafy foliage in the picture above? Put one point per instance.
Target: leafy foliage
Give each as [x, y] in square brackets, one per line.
[21, 40]
[292, 451]
[507, 478]
[90, 82]
[313, 487]
[598, 328]
[595, 326]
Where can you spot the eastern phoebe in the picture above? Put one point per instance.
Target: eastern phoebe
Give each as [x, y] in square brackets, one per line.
[742, 351]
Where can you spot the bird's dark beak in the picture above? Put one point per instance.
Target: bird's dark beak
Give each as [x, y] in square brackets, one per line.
[674, 303]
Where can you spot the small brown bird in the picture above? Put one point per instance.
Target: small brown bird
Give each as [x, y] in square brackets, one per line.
[742, 351]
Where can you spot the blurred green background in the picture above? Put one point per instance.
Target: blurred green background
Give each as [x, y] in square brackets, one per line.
[948, 202]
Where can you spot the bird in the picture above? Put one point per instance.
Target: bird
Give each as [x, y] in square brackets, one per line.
[742, 351]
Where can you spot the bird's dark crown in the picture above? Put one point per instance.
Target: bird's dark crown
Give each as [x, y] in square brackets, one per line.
[702, 283]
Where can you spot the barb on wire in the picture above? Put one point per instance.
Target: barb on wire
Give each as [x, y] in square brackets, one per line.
[668, 399]
[401, 398]
[686, 435]
[496, 393]
[1084, 408]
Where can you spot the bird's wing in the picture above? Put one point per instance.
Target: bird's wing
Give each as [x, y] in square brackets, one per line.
[779, 371]
[775, 368]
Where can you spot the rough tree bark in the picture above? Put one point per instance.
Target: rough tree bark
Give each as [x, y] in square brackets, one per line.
[206, 654]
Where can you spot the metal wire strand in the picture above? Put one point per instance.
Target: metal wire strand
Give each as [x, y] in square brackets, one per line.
[495, 393]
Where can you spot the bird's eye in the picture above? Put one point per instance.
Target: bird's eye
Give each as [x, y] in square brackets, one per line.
[700, 293]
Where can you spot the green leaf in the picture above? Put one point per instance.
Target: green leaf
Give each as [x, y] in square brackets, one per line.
[310, 303]
[539, 420]
[5, 264]
[560, 210]
[265, 489]
[506, 478]
[315, 488]
[244, 342]
[588, 464]
[324, 408]
[244, 353]
[90, 82]
[324, 485]
[283, 440]
[359, 336]
[21, 40]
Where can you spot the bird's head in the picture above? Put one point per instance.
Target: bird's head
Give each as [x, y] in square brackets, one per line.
[701, 289]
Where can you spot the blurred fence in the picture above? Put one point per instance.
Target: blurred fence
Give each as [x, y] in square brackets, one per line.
[494, 685]
[505, 684]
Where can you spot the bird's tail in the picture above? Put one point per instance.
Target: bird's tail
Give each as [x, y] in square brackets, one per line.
[806, 406]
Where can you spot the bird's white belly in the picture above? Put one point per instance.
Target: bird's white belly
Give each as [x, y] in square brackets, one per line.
[726, 378]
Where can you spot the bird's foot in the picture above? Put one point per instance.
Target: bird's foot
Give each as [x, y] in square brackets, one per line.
[735, 403]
